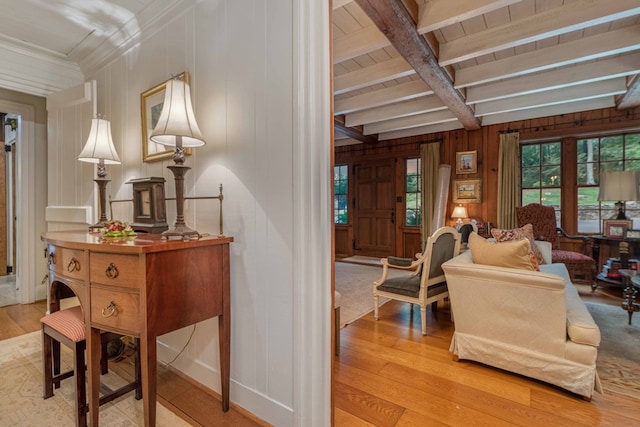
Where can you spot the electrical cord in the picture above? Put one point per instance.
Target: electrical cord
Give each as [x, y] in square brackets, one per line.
[167, 364]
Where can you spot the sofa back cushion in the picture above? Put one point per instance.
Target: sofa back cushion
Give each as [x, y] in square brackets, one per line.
[513, 254]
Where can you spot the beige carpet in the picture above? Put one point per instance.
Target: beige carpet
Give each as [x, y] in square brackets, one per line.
[355, 284]
[21, 402]
[619, 352]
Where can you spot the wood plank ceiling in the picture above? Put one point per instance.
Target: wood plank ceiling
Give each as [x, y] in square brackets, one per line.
[413, 67]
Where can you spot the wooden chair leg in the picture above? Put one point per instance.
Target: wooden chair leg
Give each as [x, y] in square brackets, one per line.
[79, 376]
[55, 352]
[47, 361]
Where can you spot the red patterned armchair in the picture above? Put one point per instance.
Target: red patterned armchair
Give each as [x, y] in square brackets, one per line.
[581, 267]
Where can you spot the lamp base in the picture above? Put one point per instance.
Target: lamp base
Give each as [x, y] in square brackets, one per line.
[182, 232]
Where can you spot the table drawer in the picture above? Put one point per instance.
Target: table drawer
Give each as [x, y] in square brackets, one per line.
[115, 309]
[68, 262]
[116, 270]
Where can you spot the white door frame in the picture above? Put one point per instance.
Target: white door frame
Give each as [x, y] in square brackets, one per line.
[26, 236]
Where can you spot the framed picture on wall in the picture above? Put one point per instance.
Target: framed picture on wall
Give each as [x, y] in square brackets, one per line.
[466, 162]
[616, 228]
[151, 102]
[467, 191]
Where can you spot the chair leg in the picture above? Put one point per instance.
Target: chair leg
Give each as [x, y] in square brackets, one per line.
[55, 351]
[47, 361]
[79, 376]
[423, 318]
[375, 307]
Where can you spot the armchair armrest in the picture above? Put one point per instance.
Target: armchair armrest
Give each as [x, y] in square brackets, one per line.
[587, 241]
[399, 262]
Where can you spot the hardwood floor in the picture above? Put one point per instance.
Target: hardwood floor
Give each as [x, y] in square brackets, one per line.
[388, 374]
[194, 404]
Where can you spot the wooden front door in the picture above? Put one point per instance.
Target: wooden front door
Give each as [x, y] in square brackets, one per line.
[374, 227]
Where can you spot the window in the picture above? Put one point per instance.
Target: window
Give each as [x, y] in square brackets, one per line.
[542, 175]
[413, 195]
[595, 156]
[340, 188]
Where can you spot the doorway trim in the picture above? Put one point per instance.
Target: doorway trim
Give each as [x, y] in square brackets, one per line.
[25, 200]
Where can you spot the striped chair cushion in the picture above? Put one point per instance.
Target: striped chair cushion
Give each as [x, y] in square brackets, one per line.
[69, 323]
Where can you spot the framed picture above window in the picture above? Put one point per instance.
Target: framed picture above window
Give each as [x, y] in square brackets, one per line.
[616, 228]
[466, 162]
[467, 191]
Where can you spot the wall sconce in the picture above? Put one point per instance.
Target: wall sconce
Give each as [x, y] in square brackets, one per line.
[459, 213]
[100, 149]
[177, 127]
[619, 186]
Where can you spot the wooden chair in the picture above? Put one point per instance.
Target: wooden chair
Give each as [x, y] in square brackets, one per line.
[581, 266]
[426, 283]
[67, 327]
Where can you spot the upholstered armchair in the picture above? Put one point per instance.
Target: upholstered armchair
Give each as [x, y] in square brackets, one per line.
[581, 265]
[425, 283]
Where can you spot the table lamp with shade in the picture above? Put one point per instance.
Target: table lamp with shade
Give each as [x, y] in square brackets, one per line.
[619, 186]
[459, 213]
[177, 127]
[100, 149]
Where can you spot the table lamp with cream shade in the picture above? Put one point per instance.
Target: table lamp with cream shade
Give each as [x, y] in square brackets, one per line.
[459, 213]
[99, 149]
[621, 187]
[177, 127]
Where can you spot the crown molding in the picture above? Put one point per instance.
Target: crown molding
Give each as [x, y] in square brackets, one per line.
[28, 71]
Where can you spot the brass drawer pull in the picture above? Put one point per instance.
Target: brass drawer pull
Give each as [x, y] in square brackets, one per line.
[109, 310]
[74, 265]
[112, 271]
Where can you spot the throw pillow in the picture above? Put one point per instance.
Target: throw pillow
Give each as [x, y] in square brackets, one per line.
[525, 232]
[514, 254]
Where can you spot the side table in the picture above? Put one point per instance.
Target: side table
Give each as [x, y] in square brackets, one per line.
[631, 281]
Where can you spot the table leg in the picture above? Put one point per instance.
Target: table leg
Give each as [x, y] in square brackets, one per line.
[225, 359]
[148, 359]
[629, 299]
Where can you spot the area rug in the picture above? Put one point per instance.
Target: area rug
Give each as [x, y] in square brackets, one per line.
[21, 402]
[355, 284]
[619, 352]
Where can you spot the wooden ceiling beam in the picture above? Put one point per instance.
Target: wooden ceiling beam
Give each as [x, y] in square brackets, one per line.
[435, 14]
[377, 98]
[364, 40]
[424, 104]
[426, 119]
[396, 23]
[338, 126]
[553, 110]
[368, 76]
[632, 97]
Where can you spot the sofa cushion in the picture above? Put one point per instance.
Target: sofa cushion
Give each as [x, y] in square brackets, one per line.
[514, 254]
[524, 232]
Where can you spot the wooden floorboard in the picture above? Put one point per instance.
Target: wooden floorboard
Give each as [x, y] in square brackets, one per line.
[389, 374]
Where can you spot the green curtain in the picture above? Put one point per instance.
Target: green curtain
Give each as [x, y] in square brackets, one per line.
[430, 159]
[508, 179]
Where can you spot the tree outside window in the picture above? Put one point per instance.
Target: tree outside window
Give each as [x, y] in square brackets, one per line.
[542, 175]
[413, 192]
[340, 190]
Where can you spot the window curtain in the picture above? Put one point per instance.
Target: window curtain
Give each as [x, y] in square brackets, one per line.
[429, 159]
[508, 179]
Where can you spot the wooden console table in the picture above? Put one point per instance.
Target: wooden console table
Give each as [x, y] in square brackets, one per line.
[143, 287]
[605, 247]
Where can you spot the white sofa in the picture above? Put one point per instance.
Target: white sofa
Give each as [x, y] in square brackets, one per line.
[529, 322]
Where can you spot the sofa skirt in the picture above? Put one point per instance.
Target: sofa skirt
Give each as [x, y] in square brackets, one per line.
[569, 375]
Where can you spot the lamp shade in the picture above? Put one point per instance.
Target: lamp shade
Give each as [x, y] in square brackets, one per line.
[459, 212]
[99, 145]
[177, 118]
[619, 186]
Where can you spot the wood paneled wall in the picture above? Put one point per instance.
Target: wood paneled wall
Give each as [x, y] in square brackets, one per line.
[486, 142]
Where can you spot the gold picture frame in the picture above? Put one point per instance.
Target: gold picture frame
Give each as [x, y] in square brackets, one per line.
[151, 101]
[467, 191]
[616, 228]
[466, 162]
